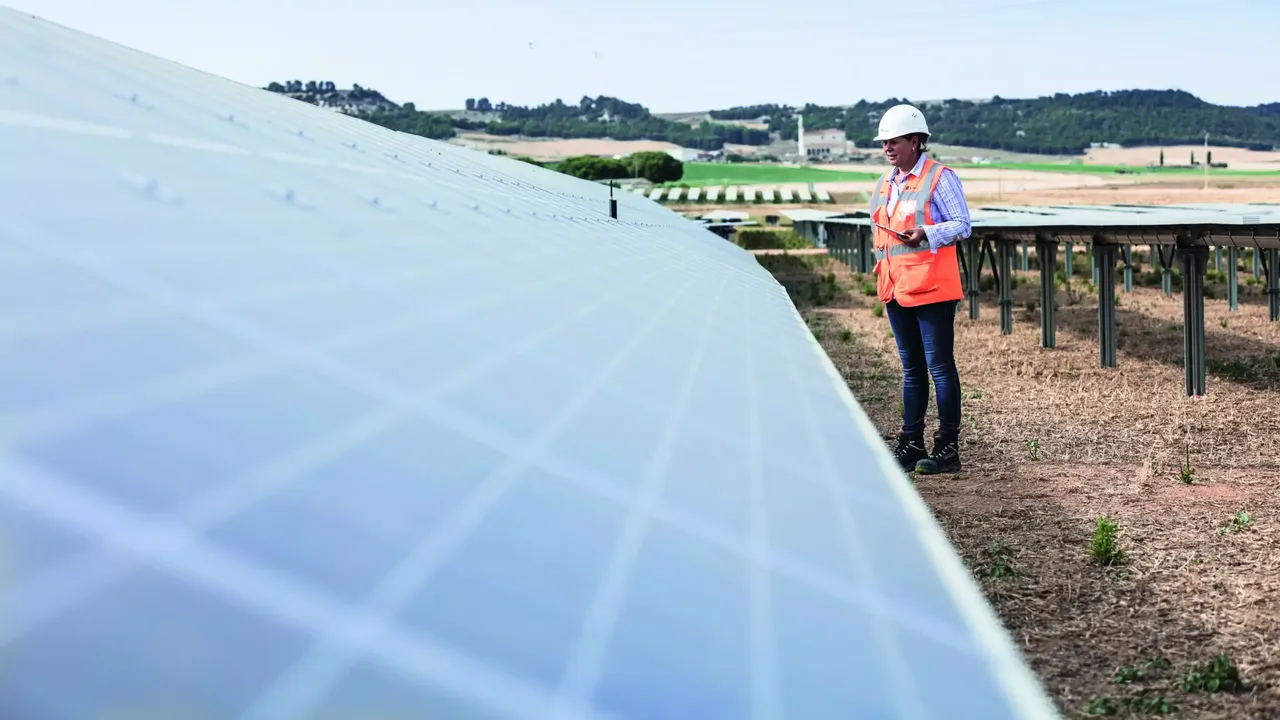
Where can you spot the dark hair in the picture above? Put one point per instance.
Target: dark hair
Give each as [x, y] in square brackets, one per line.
[924, 141]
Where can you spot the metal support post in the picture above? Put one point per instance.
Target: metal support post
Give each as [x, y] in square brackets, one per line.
[1046, 253]
[846, 245]
[1257, 262]
[1104, 268]
[868, 262]
[1026, 258]
[1272, 268]
[1165, 253]
[1126, 254]
[1093, 264]
[1217, 259]
[1233, 279]
[973, 260]
[1068, 259]
[1005, 250]
[1194, 263]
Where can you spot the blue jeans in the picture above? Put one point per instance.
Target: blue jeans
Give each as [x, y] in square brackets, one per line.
[926, 343]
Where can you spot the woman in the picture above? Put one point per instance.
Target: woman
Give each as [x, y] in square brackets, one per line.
[918, 212]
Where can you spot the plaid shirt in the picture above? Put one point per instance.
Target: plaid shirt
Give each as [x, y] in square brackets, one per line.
[947, 206]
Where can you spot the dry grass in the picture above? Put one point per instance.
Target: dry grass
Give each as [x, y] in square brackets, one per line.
[1108, 442]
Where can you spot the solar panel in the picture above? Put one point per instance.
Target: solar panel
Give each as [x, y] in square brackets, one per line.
[304, 418]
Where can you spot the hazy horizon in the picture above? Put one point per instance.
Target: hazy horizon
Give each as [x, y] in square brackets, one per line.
[675, 57]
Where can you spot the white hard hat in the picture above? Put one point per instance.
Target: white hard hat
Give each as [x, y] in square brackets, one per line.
[901, 120]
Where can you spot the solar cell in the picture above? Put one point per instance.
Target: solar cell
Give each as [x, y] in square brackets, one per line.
[304, 418]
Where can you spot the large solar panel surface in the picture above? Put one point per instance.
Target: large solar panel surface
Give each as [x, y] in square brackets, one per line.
[304, 418]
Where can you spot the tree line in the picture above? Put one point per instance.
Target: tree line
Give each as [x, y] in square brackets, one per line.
[1065, 124]
[599, 117]
[604, 117]
[1058, 124]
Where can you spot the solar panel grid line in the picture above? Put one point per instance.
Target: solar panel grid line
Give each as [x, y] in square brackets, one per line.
[905, 693]
[175, 551]
[57, 124]
[1022, 689]
[219, 500]
[55, 420]
[354, 128]
[55, 591]
[82, 576]
[226, 499]
[302, 687]
[765, 701]
[591, 647]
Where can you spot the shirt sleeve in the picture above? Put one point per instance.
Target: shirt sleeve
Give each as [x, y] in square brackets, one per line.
[950, 212]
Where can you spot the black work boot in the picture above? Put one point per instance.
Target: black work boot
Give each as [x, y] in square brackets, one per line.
[909, 451]
[945, 457]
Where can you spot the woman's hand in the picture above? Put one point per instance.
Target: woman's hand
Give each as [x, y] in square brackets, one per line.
[914, 237]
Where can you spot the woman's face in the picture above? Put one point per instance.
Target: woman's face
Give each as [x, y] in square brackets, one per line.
[899, 148]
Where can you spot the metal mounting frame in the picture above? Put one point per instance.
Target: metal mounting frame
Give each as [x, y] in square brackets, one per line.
[1271, 265]
[1002, 267]
[1164, 254]
[1233, 279]
[1195, 261]
[1046, 253]
[1104, 270]
[971, 262]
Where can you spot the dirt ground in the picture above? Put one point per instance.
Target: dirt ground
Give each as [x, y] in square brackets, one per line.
[1051, 442]
[1235, 158]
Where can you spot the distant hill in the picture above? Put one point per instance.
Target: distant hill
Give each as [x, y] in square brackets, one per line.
[1061, 124]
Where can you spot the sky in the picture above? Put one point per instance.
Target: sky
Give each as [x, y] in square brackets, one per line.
[691, 55]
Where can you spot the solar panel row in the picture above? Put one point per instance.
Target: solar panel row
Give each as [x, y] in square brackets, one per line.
[301, 417]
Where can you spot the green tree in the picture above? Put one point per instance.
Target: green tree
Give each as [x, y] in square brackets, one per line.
[590, 167]
[655, 166]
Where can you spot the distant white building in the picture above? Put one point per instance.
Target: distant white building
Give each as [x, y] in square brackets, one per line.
[823, 143]
[690, 154]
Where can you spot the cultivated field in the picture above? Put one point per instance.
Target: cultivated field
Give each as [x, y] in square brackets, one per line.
[1052, 443]
[1102, 175]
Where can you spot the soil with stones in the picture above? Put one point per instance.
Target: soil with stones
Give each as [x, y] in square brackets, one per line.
[1052, 442]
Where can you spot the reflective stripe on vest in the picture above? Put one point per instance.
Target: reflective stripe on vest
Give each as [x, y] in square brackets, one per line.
[900, 249]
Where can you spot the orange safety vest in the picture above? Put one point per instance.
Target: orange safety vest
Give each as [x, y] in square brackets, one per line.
[912, 275]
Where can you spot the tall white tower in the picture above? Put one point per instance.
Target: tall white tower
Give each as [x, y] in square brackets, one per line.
[800, 134]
